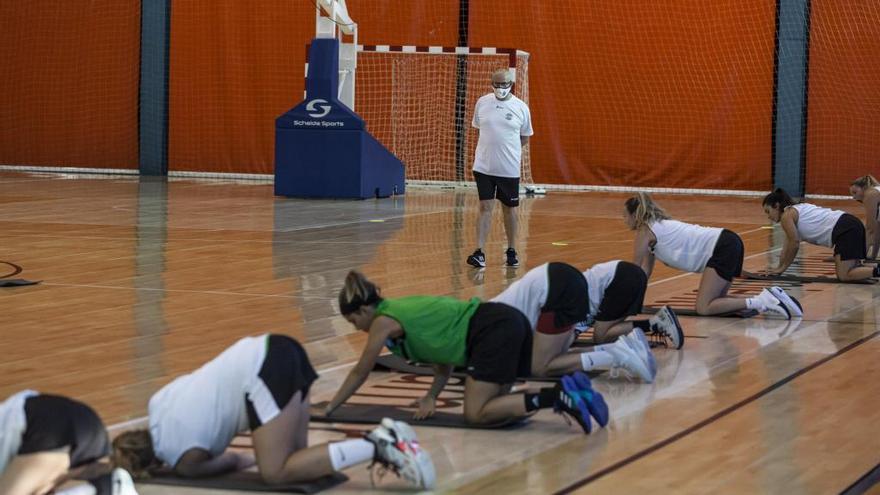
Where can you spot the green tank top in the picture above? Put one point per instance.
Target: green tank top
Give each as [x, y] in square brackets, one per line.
[435, 328]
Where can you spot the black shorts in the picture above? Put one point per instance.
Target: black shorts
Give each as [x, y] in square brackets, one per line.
[848, 238]
[625, 294]
[54, 422]
[505, 189]
[567, 295]
[727, 257]
[286, 370]
[499, 344]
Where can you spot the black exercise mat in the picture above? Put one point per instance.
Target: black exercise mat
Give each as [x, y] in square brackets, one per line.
[747, 313]
[806, 279]
[17, 282]
[373, 414]
[390, 362]
[244, 481]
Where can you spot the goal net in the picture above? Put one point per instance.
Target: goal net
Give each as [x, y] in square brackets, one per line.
[419, 103]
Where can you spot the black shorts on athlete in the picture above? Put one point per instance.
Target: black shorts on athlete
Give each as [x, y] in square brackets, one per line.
[848, 238]
[625, 294]
[727, 257]
[54, 422]
[286, 370]
[504, 189]
[499, 344]
[567, 295]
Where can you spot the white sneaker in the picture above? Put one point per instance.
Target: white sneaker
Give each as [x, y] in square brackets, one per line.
[628, 360]
[122, 483]
[397, 448]
[665, 326]
[791, 304]
[637, 341]
[768, 303]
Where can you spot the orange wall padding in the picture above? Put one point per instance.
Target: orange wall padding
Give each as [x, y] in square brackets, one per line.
[641, 93]
[235, 68]
[69, 83]
[843, 122]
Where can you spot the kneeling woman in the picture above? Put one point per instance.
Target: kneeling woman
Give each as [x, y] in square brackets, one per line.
[866, 190]
[46, 440]
[556, 296]
[492, 340]
[822, 227]
[262, 384]
[714, 252]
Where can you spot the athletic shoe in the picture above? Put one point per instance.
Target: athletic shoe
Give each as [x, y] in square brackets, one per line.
[666, 329]
[595, 402]
[629, 361]
[478, 259]
[637, 341]
[791, 304]
[578, 400]
[122, 483]
[397, 449]
[512, 260]
[768, 303]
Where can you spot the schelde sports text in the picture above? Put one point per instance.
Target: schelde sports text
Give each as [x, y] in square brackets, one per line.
[319, 123]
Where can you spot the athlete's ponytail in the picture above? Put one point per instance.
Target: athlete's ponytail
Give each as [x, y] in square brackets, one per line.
[644, 210]
[778, 200]
[357, 292]
[865, 182]
[133, 451]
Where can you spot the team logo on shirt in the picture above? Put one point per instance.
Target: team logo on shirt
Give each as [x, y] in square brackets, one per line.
[509, 116]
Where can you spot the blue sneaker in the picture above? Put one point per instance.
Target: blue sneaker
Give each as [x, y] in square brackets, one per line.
[571, 403]
[595, 402]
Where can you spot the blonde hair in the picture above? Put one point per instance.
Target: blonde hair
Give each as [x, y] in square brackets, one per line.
[133, 451]
[644, 210]
[356, 292]
[865, 182]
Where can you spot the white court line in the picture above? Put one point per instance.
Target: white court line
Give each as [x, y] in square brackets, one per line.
[143, 420]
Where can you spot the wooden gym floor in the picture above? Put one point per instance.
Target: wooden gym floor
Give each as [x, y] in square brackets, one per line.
[144, 280]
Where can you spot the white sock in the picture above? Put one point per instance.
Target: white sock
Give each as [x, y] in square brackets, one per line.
[596, 360]
[350, 452]
[754, 303]
[601, 347]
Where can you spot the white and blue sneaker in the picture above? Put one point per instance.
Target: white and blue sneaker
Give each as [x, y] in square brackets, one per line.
[637, 341]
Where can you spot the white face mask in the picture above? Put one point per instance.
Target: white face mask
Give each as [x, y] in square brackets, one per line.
[501, 93]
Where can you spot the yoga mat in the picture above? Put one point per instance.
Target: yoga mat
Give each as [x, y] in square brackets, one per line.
[373, 414]
[805, 279]
[244, 481]
[692, 312]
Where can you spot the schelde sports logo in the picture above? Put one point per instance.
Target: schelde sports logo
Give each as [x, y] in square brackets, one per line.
[316, 109]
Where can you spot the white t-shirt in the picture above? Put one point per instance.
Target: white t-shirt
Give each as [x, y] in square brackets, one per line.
[816, 223]
[13, 423]
[528, 294]
[501, 123]
[206, 408]
[684, 246]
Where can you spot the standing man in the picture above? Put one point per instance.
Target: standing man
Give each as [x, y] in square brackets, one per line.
[504, 124]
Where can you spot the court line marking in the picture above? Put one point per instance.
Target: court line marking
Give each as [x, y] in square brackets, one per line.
[711, 419]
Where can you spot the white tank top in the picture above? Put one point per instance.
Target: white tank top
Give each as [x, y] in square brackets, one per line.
[599, 277]
[684, 246]
[815, 223]
[878, 206]
[13, 423]
[206, 408]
